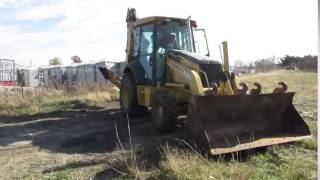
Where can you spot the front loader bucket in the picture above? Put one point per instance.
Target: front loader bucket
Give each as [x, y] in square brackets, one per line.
[224, 124]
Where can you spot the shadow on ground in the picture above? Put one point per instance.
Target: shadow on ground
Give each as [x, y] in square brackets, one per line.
[85, 130]
[82, 130]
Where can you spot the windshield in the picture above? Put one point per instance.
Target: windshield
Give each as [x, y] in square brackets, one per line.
[173, 35]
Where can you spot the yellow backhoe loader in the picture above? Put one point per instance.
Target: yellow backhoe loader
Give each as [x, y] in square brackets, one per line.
[165, 72]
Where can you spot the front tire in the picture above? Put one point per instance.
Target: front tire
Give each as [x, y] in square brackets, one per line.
[162, 117]
[128, 97]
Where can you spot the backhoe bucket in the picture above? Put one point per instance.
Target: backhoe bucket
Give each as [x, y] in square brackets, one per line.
[224, 124]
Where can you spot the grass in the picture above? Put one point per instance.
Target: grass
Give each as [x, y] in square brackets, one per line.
[291, 161]
[303, 83]
[59, 175]
[18, 102]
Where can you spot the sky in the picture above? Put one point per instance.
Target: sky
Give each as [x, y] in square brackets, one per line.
[34, 31]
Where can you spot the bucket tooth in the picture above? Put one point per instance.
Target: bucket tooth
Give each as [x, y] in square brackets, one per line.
[244, 88]
[257, 90]
[281, 89]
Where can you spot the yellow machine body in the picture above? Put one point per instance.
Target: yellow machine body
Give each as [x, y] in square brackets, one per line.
[222, 117]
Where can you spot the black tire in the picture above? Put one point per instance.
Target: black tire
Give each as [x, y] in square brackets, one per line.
[162, 117]
[128, 97]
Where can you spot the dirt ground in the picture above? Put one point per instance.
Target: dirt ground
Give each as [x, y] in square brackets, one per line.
[75, 139]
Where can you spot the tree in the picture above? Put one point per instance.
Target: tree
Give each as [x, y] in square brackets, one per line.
[251, 65]
[308, 62]
[76, 59]
[20, 78]
[305, 62]
[55, 61]
[287, 60]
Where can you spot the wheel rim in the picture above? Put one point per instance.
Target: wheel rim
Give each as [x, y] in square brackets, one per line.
[125, 96]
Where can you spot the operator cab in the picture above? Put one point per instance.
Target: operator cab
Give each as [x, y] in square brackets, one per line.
[155, 36]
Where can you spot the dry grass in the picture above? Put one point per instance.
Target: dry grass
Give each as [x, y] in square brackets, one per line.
[25, 101]
[303, 83]
[278, 162]
[125, 163]
[125, 160]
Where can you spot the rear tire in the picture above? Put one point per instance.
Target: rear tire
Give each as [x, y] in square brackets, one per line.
[128, 97]
[162, 117]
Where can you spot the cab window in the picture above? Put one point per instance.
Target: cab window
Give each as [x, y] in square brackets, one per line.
[136, 42]
[146, 49]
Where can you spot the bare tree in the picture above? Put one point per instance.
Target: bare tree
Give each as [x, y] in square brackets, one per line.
[264, 65]
[239, 63]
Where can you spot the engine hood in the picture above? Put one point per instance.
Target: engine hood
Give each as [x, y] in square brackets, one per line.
[193, 57]
[212, 69]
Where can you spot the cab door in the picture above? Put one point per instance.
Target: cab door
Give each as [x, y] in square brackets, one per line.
[146, 50]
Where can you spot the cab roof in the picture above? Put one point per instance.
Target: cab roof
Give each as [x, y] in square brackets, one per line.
[152, 19]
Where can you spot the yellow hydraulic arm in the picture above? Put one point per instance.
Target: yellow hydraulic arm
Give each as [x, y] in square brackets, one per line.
[228, 86]
[109, 75]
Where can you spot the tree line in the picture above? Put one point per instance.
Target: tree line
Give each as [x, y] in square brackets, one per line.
[307, 62]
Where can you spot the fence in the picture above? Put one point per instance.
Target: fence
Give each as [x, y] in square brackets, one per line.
[77, 74]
